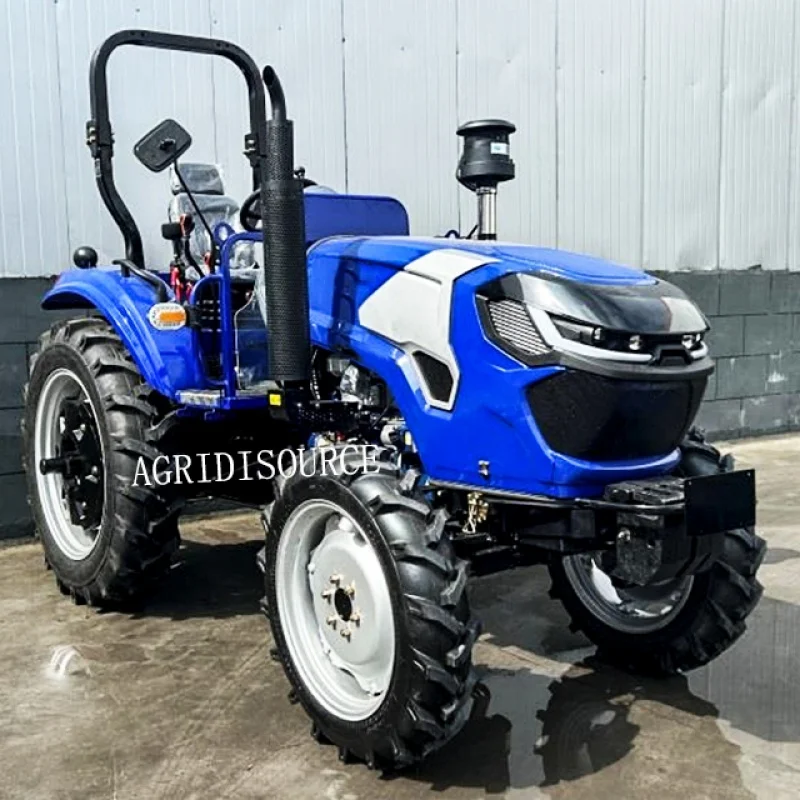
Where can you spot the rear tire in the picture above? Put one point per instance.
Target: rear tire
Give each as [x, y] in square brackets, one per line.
[422, 699]
[711, 615]
[126, 544]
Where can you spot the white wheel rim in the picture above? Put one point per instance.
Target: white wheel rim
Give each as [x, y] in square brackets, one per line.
[74, 541]
[335, 610]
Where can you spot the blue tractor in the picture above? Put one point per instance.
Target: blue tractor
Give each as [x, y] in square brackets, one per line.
[443, 402]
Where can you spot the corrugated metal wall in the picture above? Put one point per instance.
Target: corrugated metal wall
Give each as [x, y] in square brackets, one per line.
[660, 133]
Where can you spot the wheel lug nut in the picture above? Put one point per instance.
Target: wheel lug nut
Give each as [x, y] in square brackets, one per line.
[351, 589]
[345, 633]
[356, 617]
[336, 579]
[327, 594]
[332, 620]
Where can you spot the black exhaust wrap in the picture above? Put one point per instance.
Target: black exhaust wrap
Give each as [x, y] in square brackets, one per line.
[283, 221]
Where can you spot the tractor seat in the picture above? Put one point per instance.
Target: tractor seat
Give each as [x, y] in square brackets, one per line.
[205, 183]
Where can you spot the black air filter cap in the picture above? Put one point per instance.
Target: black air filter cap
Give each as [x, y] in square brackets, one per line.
[485, 160]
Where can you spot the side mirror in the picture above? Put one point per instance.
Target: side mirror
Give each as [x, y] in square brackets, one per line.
[163, 146]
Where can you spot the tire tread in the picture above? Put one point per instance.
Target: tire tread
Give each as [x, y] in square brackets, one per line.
[437, 614]
[145, 530]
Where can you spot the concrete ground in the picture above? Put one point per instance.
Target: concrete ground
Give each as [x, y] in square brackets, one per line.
[182, 700]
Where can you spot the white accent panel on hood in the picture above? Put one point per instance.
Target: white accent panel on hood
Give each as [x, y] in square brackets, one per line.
[412, 309]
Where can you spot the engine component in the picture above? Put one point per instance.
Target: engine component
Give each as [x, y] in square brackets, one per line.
[356, 386]
[477, 512]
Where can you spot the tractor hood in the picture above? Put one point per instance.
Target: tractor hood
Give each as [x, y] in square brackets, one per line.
[400, 251]
[568, 286]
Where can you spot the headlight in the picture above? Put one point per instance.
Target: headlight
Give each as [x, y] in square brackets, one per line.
[625, 341]
[538, 319]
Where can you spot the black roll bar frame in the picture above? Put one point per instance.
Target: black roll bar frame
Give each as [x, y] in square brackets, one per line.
[100, 138]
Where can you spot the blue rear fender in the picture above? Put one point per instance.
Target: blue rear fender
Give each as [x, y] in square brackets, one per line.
[168, 360]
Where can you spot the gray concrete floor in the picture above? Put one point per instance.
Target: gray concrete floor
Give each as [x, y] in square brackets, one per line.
[182, 700]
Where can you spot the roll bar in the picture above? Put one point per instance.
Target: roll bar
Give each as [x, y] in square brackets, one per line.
[100, 138]
[269, 146]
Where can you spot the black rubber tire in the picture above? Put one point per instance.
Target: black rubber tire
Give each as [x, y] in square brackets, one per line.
[430, 693]
[139, 527]
[713, 617]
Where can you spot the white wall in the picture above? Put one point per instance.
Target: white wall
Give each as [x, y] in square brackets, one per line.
[661, 133]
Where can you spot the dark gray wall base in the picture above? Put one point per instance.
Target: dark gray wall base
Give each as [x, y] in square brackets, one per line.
[755, 341]
[22, 320]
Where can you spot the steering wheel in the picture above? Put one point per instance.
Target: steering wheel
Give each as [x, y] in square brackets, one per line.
[250, 212]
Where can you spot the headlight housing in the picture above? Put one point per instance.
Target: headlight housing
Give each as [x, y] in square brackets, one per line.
[533, 317]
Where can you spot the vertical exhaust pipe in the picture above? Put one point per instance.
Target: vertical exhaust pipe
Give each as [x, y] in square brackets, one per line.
[283, 223]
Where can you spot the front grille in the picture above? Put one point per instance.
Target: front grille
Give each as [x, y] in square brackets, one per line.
[513, 326]
[588, 416]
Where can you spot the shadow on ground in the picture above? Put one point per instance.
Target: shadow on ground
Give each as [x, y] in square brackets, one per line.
[530, 731]
[210, 580]
[777, 555]
[626, 730]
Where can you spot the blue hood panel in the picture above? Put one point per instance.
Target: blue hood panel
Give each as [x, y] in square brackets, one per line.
[397, 252]
[367, 299]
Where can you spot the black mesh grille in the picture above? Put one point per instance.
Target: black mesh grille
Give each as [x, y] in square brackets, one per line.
[513, 325]
[604, 419]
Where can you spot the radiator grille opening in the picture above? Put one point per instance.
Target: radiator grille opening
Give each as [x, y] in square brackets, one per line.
[589, 416]
[513, 325]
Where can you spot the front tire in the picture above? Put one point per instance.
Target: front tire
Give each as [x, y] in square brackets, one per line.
[395, 683]
[682, 624]
[87, 406]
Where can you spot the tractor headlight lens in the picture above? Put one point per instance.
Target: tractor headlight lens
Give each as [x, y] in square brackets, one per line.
[635, 343]
[692, 341]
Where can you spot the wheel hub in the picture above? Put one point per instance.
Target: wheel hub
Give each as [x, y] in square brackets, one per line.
[350, 598]
[335, 607]
[69, 454]
[343, 605]
[78, 460]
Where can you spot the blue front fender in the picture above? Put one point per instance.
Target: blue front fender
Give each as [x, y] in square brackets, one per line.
[168, 360]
